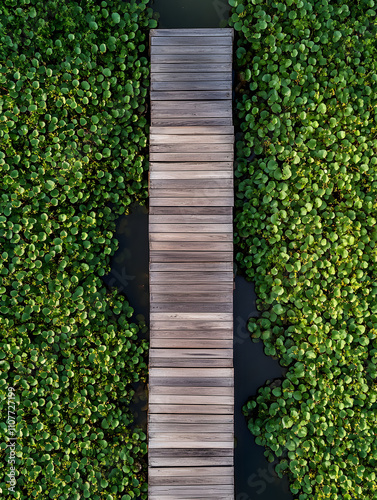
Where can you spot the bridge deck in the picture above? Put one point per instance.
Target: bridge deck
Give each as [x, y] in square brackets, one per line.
[191, 408]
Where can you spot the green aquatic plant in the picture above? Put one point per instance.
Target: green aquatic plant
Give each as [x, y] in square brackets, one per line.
[73, 84]
[306, 234]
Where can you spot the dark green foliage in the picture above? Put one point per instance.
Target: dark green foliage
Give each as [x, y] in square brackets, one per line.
[74, 78]
[306, 234]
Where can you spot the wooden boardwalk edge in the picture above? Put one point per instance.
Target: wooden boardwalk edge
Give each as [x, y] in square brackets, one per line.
[191, 195]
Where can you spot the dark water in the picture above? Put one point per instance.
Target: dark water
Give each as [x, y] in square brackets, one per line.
[129, 273]
[191, 13]
[254, 475]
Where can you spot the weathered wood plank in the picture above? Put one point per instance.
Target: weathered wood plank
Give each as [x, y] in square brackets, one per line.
[219, 409]
[191, 211]
[186, 147]
[168, 256]
[192, 373]
[188, 202]
[192, 95]
[192, 193]
[190, 419]
[188, 461]
[190, 266]
[191, 471]
[185, 363]
[190, 49]
[192, 58]
[190, 67]
[221, 333]
[191, 40]
[190, 108]
[191, 317]
[157, 139]
[193, 131]
[186, 287]
[183, 381]
[191, 86]
[223, 76]
[189, 444]
[228, 237]
[191, 277]
[187, 227]
[191, 183]
[187, 32]
[191, 306]
[191, 156]
[190, 218]
[191, 121]
[189, 165]
[192, 353]
[191, 342]
[173, 298]
[191, 175]
[195, 391]
[190, 481]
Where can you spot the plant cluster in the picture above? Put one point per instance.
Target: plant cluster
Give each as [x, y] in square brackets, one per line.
[306, 234]
[74, 78]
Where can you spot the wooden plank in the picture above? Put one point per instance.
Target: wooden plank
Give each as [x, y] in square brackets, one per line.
[188, 461]
[193, 131]
[191, 40]
[191, 277]
[193, 193]
[192, 58]
[218, 409]
[191, 183]
[191, 156]
[189, 108]
[190, 86]
[186, 147]
[215, 443]
[191, 342]
[189, 165]
[185, 287]
[192, 95]
[178, 399]
[186, 227]
[183, 381]
[192, 373]
[220, 333]
[205, 237]
[222, 76]
[191, 353]
[157, 139]
[192, 175]
[191, 211]
[192, 121]
[191, 492]
[187, 32]
[191, 306]
[173, 298]
[191, 218]
[191, 471]
[187, 202]
[190, 481]
[190, 266]
[190, 49]
[195, 391]
[192, 419]
[189, 325]
[182, 256]
[191, 317]
[191, 67]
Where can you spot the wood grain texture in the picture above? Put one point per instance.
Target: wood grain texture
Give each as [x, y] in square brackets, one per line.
[191, 375]
[187, 32]
[191, 40]
[192, 95]
[158, 85]
[193, 58]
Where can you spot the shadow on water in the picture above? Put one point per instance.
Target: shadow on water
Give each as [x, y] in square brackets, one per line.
[191, 13]
[129, 273]
[254, 475]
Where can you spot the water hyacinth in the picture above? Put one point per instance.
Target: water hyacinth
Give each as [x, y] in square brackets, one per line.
[306, 234]
[74, 80]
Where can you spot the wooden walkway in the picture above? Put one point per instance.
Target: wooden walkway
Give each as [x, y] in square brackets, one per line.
[191, 409]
